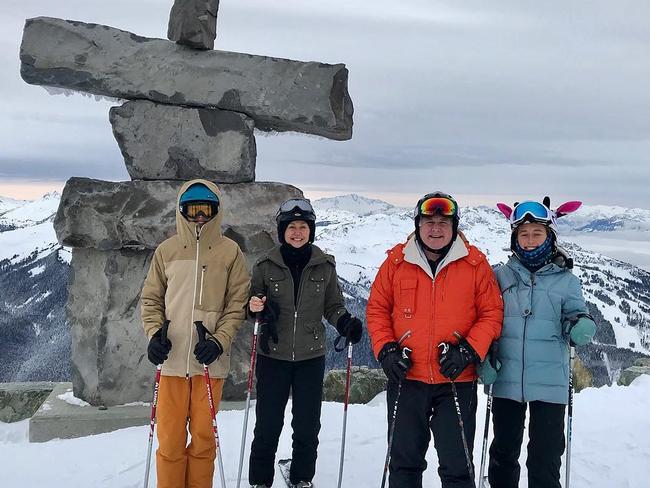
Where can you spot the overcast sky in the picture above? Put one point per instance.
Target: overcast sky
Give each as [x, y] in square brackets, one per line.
[485, 100]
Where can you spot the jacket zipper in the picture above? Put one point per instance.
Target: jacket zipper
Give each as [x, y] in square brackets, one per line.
[296, 307]
[431, 330]
[201, 292]
[196, 277]
[523, 344]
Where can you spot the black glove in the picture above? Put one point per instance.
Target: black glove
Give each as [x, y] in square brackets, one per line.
[157, 350]
[206, 351]
[395, 361]
[454, 358]
[269, 323]
[349, 327]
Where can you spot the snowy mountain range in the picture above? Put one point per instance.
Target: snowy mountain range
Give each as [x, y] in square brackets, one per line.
[358, 231]
[34, 336]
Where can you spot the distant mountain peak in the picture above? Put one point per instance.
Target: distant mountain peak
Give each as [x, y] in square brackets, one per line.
[356, 204]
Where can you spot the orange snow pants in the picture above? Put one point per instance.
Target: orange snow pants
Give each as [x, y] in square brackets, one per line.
[183, 403]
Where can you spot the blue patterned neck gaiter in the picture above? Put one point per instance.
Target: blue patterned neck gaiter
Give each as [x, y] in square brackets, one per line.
[538, 257]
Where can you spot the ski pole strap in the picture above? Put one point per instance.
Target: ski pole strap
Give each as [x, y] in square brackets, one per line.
[163, 333]
[337, 341]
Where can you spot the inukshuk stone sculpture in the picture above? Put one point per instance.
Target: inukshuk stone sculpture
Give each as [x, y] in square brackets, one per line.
[191, 113]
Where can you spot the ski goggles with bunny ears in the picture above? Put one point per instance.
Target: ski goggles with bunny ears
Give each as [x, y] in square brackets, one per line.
[531, 211]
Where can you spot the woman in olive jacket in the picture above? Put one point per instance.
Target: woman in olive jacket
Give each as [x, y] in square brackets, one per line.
[293, 287]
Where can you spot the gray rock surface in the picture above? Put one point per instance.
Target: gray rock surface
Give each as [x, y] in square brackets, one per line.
[279, 94]
[193, 23]
[365, 384]
[643, 362]
[628, 375]
[110, 366]
[19, 401]
[166, 142]
[141, 214]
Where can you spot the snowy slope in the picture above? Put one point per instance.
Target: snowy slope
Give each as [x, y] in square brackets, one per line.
[609, 450]
[34, 336]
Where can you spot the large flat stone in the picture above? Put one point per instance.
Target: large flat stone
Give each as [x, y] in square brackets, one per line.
[19, 401]
[280, 94]
[166, 142]
[193, 23]
[66, 418]
[141, 214]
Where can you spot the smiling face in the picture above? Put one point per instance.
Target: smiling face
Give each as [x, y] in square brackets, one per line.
[436, 231]
[530, 236]
[297, 233]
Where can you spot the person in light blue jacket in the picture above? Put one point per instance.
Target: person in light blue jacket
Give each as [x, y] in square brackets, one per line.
[544, 313]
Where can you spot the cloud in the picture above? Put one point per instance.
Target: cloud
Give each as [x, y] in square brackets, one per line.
[473, 94]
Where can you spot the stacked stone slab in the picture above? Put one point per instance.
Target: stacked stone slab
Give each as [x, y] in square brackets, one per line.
[191, 113]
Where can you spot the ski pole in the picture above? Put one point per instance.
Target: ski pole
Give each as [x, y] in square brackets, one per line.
[391, 431]
[345, 411]
[444, 347]
[201, 330]
[488, 410]
[569, 426]
[249, 388]
[154, 404]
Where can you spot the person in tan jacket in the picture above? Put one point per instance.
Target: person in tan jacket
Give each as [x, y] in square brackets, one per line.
[195, 275]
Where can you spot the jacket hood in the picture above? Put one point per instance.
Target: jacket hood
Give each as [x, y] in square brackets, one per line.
[210, 231]
[460, 249]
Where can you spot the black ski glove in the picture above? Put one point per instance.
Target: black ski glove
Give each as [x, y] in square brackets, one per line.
[454, 358]
[207, 351]
[395, 361]
[158, 349]
[269, 324]
[349, 327]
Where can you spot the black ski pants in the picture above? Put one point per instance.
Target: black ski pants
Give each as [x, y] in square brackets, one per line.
[275, 379]
[424, 409]
[545, 445]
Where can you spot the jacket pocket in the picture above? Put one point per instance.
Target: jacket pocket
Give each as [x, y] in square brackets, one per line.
[278, 285]
[211, 287]
[406, 302]
[314, 337]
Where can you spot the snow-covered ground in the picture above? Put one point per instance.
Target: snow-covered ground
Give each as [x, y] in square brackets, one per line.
[611, 447]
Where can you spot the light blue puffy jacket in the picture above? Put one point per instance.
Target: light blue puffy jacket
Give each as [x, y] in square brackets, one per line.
[534, 343]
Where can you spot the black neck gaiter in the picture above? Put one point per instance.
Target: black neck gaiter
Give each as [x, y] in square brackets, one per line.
[296, 259]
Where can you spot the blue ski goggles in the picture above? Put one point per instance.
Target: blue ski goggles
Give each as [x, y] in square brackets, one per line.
[531, 211]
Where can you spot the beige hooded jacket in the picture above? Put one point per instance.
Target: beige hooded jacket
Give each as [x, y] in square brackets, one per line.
[197, 274]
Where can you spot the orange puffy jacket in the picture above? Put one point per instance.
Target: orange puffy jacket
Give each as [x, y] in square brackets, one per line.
[462, 297]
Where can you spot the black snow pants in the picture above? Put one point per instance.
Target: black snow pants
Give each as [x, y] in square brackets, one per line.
[545, 445]
[275, 379]
[424, 409]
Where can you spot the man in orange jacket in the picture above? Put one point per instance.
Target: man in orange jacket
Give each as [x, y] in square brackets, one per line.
[433, 289]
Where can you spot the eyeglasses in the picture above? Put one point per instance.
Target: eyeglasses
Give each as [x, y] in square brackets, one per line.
[192, 210]
[533, 211]
[438, 205]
